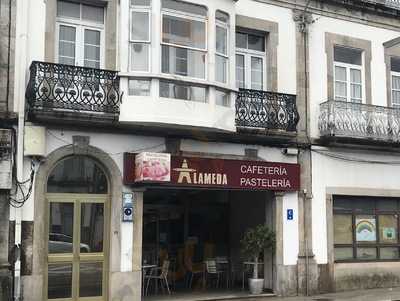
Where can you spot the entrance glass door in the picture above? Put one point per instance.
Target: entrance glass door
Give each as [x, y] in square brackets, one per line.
[77, 250]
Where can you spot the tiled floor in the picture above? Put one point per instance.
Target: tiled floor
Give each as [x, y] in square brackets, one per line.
[208, 296]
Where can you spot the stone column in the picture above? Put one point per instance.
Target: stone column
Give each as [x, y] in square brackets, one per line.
[307, 268]
[5, 272]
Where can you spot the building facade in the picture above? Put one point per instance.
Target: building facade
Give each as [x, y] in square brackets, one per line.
[296, 102]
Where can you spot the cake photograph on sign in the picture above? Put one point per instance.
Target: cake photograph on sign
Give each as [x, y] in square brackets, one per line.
[153, 167]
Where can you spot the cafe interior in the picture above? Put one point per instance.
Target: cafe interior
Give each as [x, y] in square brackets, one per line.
[191, 240]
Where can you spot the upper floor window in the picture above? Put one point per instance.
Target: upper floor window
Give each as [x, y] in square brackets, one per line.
[139, 36]
[250, 60]
[184, 39]
[221, 46]
[80, 32]
[395, 78]
[348, 74]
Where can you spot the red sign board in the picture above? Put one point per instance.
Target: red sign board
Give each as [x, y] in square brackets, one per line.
[221, 173]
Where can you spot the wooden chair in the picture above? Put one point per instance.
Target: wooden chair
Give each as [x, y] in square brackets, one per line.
[161, 278]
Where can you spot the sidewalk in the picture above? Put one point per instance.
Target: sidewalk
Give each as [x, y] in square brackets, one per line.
[388, 294]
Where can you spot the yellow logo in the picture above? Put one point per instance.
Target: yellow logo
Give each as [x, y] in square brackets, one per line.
[190, 176]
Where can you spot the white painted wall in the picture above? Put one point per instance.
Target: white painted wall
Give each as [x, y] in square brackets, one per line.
[330, 172]
[318, 63]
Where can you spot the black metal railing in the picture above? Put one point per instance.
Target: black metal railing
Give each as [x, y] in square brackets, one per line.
[267, 110]
[57, 87]
[356, 120]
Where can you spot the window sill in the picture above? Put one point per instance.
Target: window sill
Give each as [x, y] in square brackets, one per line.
[194, 81]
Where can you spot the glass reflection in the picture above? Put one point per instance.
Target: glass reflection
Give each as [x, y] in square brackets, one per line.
[90, 279]
[61, 227]
[92, 225]
[60, 281]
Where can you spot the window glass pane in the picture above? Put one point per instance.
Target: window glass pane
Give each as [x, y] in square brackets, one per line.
[256, 42]
[139, 57]
[365, 229]
[221, 66]
[184, 7]
[343, 253]
[184, 32]
[222, 98]
[395, 64]
[256, 73]
[61, 227]
[183, 62]
[59, 281]
[92, 37]
[90, 279]
[68, 9]
[364, 204]
[93, 13]
[389, 253]
[340, 90]
[221, 16]
[241, 40]
[386, 205]
[340, 74]
[366, 253]
[396, 98]
[140, 26]
[139, 87]
[179, 91]
[92, 225]
[240, 77]
[140, 2]
[388, 228]
[347, 55]
[77, 174]
[221, 40]
[343, 233]
[340, 203]
[355, 92]
[396, 82]
[355, 76]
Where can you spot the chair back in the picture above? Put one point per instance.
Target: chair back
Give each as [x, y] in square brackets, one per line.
[211, 266]
[165, 268]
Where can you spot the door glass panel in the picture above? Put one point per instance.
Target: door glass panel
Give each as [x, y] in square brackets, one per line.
[240, 77]
[90, 279]
[66, 45]
[61, 228]
[256, 73]
[59, 281]
[92, 227]
[92, 48]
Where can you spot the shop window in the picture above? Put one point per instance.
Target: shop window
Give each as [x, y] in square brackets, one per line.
[184, 42]
[348, 74]
[139, 37]
[221, 46]
[395, 78]
[366, 228]
[250, 60]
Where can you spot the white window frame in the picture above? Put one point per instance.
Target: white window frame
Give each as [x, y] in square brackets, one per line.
[348, 67]
[146, 9]
[188, 16]
[394, 74]
[248, 54]
[80, 26]
[226, 56]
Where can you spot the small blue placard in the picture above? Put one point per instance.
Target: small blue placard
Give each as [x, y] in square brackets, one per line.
[290, 214]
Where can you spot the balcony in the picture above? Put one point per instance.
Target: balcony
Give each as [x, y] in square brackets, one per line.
[347, 120]
[266, 110]
[65, 93]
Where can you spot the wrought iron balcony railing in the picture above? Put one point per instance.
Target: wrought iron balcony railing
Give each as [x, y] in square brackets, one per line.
[267, 110]
[57, 88]
[361, 121]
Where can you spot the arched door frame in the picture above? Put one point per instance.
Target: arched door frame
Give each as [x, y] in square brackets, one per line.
[114, 178]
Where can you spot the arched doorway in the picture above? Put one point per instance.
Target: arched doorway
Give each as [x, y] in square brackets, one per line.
[77, 214]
